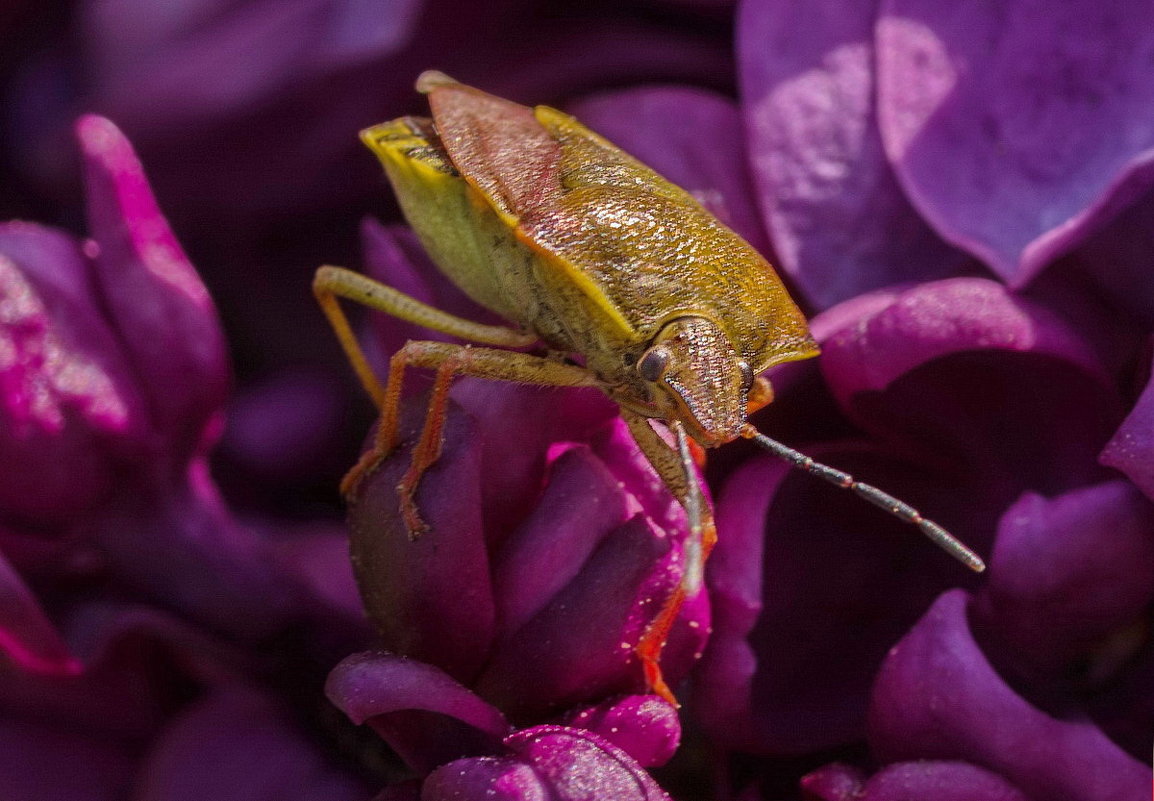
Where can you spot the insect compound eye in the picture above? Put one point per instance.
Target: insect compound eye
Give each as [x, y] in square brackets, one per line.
[746, 374]
[652, 365]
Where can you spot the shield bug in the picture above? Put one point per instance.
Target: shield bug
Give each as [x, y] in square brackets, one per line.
[586, 252]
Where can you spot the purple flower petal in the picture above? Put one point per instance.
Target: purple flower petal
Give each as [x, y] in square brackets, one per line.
[580, 766]
[941, 781]
[838, 219]
[166, 320]
[937, 697]
[71, 409]
[805, 608]
[874, 339]
[581, 504]
[581, 644]
[643, 726]
[238, 745]
[1131, 449]
[833, 782]
[40, 761]
[1040, 602]
[497, 778]
[223, 565]
[425, 715]
[691, 137]
[430, 597]
[954, 370]
[1017, 132]
[27, 636]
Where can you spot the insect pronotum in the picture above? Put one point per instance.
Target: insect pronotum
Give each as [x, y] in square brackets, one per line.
[586, 251]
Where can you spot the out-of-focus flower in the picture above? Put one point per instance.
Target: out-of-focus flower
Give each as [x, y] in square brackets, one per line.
[129, 588]
[469, 751]
[114, 377]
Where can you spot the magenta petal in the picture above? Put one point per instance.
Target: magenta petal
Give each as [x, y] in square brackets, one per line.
[40, 761]
[580, 766]
[581, 644]
[237, 745]
[429, 596]
[644, 726]
[941, 781]
[870, 341]
[834, 782]
[167, 321]
[426, 716]
[1040, 603]
[1131, 450]
[936, 697]
[692, 137]
[582, 502]
[181, 545]
[838, 219]
[70, 406]
[495, 778]
[1017, 131]
[27, 636]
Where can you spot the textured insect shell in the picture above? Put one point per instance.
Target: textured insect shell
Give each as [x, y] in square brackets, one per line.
[552, 227]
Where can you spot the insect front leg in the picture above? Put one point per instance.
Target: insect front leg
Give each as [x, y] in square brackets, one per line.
[333, 283]
[448, 360]
[675, 472]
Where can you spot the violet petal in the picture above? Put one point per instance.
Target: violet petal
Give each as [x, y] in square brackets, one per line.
[581, 503]
[71, 408]
[578, 765]
[833, 782]
[496, 778]
[429, 596]
[167, 322]
[238, 745]
[838, 219]
[1040, 601]
[40, 761]
[941, 781]
[878, 337]
[644, 726]
[936, 697]
[1039, 114]
[1131, 449]
[692, 137]
[223, 564]
[426, 716]
[581, 644]
[27, 636]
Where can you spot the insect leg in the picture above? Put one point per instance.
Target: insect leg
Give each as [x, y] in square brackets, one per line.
[449, 360]
[333, 283]
[675, 467]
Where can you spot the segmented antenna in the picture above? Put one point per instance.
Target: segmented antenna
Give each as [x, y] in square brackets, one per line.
[899, 509]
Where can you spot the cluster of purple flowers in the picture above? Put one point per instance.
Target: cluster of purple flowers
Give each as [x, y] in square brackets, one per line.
[961, 197]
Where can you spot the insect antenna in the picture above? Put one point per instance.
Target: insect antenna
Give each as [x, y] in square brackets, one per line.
[899, 509]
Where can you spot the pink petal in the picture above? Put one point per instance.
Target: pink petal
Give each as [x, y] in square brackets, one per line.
[1131, 450]
[27, 636]
[167, 322]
